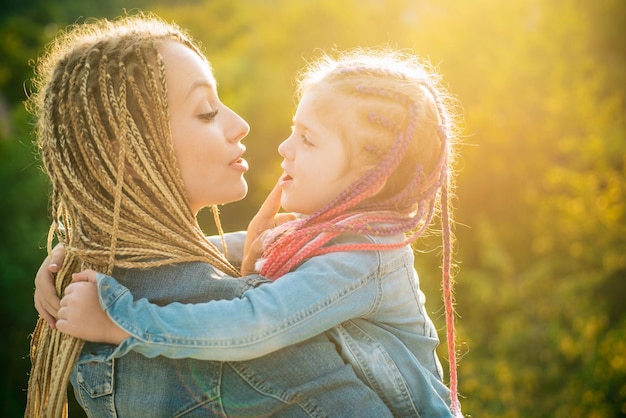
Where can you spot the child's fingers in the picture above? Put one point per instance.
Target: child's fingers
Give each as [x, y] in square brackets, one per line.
[282, 218]
[266, 218]
[271, 205]
[252, 253]
[85, 276]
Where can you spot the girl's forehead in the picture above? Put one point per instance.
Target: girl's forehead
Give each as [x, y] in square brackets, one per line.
[326, 105]
[307, 113]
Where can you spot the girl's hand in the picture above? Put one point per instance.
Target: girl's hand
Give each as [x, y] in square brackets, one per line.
[266, 218]
[81, 316]
[45, 297]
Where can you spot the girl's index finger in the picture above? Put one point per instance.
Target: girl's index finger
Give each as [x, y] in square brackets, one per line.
[270, 207]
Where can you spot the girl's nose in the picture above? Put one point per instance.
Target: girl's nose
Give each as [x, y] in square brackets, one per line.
[285, 150]
[238, 128]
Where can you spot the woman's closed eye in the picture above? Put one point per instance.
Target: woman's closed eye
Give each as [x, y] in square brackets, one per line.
[305, 139]
[209, 116]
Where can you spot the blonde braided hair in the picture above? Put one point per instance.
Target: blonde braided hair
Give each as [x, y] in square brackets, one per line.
[117, 197]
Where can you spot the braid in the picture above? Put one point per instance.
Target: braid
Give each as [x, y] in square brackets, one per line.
[401, 193]
[117, 199]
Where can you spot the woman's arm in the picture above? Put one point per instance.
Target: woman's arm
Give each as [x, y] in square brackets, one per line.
[322, 293]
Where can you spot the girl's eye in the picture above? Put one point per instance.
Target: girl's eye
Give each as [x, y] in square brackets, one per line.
[210, 116]
[305, 139]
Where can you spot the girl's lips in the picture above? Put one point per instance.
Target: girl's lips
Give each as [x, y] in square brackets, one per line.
[285, 178]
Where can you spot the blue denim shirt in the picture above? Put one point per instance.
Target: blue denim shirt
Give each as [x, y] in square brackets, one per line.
[369, 303]
[308, 379]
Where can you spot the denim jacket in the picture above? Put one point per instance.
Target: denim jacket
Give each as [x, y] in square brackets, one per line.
[308, 379]
[368, 302]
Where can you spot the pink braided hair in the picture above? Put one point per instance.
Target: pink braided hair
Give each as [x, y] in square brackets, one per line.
[408, 211]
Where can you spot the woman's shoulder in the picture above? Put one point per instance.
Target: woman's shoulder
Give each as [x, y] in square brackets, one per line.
[181, 282]
[166, 271]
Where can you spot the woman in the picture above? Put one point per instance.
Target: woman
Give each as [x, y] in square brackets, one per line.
[136, 141]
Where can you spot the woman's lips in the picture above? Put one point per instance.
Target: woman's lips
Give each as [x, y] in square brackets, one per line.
[240, 164]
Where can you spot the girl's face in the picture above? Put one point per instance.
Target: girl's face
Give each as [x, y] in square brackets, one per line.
[315, 161]
[206, 134]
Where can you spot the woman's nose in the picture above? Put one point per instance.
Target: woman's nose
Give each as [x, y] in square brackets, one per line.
[238, 127]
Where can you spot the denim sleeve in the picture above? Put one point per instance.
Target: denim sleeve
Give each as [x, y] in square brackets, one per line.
[234, 246]
[322, 293]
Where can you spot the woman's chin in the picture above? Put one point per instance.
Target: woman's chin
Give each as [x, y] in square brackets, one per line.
[237, 194]
[234, 195]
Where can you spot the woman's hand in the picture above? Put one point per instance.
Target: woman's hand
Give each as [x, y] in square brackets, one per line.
[266, 218]
[46, 298]
[81, 316]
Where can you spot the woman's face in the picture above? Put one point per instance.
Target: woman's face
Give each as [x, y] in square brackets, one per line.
[206, 134]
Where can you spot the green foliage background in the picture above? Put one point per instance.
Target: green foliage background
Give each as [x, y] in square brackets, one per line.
[541, 187]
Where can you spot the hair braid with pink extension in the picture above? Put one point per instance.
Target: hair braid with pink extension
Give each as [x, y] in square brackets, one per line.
[364, 208]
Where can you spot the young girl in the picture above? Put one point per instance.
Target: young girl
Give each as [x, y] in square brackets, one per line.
[367, 161]
[136, 141]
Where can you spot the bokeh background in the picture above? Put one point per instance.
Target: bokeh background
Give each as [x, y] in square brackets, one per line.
[541, 284]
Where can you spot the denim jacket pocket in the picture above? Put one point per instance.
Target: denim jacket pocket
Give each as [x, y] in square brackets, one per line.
[95, 378]
[374, 365]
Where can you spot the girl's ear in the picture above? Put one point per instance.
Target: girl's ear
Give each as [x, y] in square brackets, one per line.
[381, 188]
[363, 170]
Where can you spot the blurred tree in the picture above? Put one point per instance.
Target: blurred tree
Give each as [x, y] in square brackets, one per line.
[23, 209]
[544, 194]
